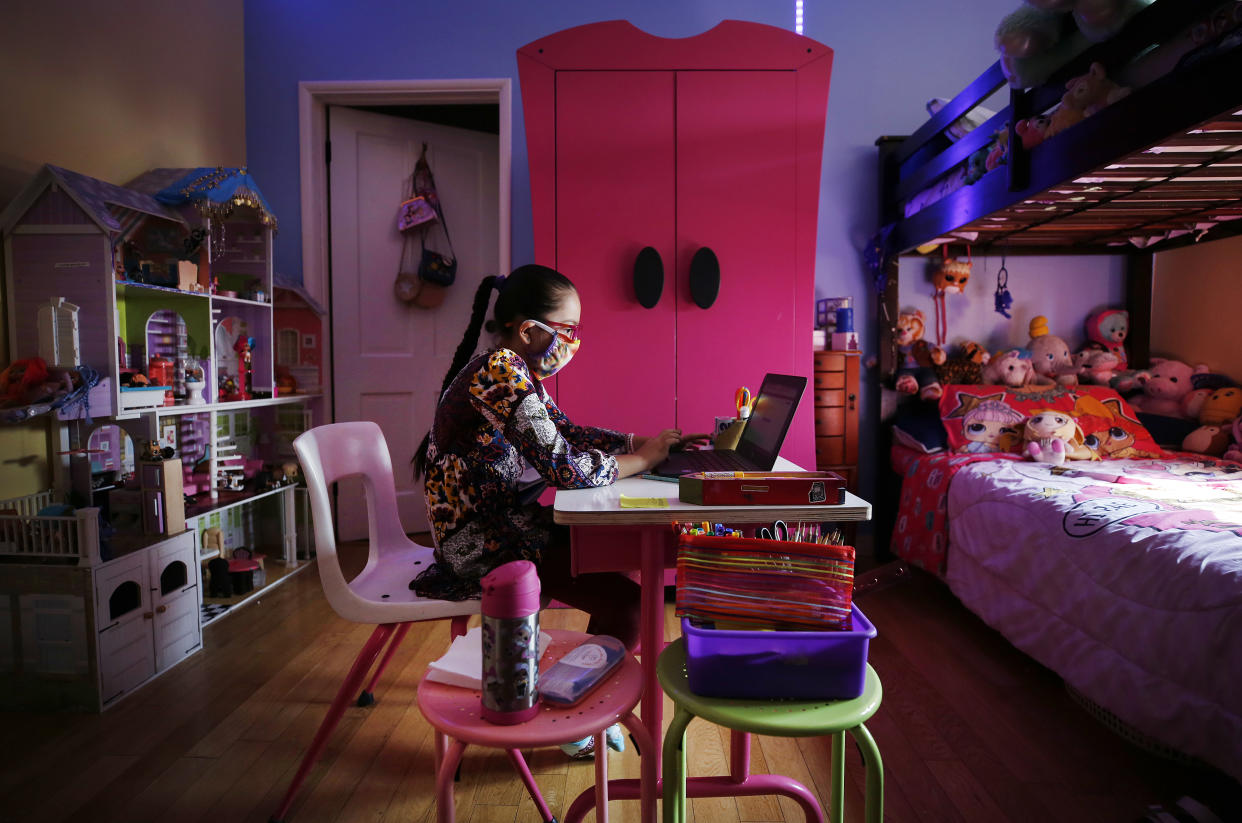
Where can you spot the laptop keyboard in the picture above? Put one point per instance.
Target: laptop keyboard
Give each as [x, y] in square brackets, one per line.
[708, 461]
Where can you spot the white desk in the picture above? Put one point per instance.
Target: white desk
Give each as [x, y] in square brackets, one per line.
[606, 537]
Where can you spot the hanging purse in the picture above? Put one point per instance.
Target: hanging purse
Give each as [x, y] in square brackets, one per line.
[414, 212]
[419, 206]
[433, 267]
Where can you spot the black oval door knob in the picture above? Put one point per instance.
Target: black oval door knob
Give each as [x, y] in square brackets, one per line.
[704, 278]
[648, 277]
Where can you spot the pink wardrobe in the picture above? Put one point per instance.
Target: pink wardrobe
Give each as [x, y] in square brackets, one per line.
[712, 143]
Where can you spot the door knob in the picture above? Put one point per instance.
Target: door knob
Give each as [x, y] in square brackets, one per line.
[161, 609]
[648, 277]
[704, 278]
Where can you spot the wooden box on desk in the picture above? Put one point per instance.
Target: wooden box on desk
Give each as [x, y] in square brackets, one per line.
[762, 488]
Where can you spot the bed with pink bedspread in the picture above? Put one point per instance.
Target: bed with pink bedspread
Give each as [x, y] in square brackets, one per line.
[1123, 576]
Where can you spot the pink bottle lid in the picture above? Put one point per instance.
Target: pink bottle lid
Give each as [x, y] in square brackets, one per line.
[511, 590]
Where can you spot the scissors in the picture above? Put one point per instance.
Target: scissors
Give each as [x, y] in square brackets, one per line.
[779, 531]
[742, 399]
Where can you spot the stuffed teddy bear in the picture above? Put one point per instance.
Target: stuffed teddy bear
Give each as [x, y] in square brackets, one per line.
[1107, 330]
[1012, 367]
[916, 358]
[1053, 436]
[1050, 356]
[1164, 386]
[1084, 95]
[966, 367]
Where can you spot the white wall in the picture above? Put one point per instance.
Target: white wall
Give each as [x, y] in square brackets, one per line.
[1064, 289]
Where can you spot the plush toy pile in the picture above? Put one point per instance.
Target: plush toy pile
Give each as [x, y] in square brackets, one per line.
[1043, 35]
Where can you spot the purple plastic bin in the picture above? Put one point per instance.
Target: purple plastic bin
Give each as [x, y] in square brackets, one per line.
[828, 665]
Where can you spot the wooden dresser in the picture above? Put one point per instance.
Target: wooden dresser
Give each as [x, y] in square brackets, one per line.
[836, 413]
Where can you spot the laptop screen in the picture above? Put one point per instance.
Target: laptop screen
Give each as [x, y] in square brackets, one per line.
[769, 421]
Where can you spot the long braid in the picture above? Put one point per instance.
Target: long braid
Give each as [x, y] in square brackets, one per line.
[465, 350]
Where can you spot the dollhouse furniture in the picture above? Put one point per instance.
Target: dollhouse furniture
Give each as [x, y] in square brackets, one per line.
[1126, 606]
[835, 387]
[774, 718]
[694, 163]
[455, 713]
[138, 262]
[607, 538]
[163, 504]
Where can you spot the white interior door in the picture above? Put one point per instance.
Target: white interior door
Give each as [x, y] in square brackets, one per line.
[391, 357]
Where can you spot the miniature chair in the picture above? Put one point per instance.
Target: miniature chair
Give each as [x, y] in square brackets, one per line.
[380, 594]
[455, 713]
[775, 718]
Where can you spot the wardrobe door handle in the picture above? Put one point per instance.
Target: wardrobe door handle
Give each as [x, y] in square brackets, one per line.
[851, 398]
[648, 277]
[704, 278]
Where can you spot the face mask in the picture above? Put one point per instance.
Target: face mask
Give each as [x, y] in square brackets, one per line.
[555, 357]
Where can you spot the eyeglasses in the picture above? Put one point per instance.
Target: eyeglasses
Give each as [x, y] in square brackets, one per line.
[566, 331]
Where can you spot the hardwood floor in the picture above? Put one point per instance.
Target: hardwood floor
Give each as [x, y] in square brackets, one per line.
[970, 730]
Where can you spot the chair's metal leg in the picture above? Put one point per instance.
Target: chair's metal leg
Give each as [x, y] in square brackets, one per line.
[362, 665]
[367, 697]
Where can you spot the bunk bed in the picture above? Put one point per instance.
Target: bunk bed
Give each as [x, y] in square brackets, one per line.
[1124, 577]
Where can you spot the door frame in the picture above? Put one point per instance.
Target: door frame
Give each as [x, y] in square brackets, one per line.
[314, 97]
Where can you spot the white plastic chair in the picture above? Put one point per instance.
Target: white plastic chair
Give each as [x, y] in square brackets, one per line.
[380, 594]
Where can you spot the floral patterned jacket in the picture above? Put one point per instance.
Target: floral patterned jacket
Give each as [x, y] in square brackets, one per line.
[494, 414]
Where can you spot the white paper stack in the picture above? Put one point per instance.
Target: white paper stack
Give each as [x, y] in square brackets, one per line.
[462, 664]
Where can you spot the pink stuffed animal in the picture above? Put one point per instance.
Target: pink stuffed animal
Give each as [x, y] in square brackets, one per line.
[1050, 356]
[1164, 386]
[1098, 367]
[1107, 330]
[1012, 367]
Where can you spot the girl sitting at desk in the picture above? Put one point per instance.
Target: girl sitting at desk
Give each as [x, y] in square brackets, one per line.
[498, 439]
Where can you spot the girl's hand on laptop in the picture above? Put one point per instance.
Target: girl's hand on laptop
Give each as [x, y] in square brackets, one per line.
[653, 450]
[692, 442]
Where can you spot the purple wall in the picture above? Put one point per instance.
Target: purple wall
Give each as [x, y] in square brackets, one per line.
[891, 56]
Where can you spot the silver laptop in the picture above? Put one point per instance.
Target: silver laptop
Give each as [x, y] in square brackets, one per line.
[761, 440]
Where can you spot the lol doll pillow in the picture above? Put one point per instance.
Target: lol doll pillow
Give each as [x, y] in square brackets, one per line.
[980, 419]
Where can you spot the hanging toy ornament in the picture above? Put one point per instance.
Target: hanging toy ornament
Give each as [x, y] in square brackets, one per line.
[950, 277]
[1004, 300]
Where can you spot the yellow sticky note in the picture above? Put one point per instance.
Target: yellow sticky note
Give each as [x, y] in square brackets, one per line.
[628, 502]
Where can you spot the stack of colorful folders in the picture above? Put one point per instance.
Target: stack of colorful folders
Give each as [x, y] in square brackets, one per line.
[764, 584]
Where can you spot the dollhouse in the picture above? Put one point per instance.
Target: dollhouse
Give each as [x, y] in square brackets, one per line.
[172, 279]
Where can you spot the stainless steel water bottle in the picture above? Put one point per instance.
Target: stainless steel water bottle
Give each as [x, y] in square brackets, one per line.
[510, 609]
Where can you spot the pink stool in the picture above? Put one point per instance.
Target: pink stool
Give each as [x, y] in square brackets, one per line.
[454, 712]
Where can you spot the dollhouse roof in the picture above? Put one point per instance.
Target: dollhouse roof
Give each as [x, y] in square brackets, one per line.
[213, 191]
[113, 208]
[280, 281]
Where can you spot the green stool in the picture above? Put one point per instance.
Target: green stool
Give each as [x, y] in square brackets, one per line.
[775, 718]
